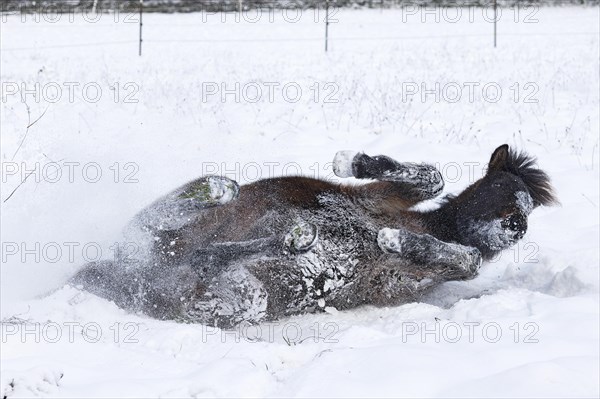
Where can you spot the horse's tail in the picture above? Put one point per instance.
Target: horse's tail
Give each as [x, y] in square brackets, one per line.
[106, 280]
[135, 288]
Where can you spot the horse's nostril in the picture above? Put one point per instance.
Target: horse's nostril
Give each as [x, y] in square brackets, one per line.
[516, 223]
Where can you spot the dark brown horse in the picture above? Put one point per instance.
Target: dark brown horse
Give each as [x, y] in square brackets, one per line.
[213, 252]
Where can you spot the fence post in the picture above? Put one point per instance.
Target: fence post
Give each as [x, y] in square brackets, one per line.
[326, 23]
[141, 15]
[495, 21]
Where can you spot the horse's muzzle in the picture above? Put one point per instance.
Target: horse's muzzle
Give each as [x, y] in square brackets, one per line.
[517, 223]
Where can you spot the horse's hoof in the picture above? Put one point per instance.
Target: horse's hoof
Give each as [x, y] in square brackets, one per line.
[468, 261]
[424, 177]
[342, 163]
[434, 181]
[211, 191]
[389, 240]
[302, 237]
[474, 260]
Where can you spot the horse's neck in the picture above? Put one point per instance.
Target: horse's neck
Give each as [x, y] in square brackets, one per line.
[441, 223]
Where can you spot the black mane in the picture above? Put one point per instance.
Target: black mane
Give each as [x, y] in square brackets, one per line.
[537, 181]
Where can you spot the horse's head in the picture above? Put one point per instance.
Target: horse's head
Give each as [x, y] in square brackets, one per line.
[492, 213]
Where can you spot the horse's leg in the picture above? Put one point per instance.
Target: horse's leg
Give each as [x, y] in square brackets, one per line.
[209, 261]
[178, 207]
[453, 261]
[411, 266]
[408, 183]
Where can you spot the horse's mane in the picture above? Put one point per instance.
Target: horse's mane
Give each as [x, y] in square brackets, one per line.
[523, 166]
[537, 181]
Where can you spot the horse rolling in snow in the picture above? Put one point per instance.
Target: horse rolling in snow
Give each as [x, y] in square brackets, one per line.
[215, 253]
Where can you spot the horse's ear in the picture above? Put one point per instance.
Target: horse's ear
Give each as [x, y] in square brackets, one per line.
[499, 158]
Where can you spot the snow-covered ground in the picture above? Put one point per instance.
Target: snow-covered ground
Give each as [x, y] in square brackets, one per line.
[260, 99]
